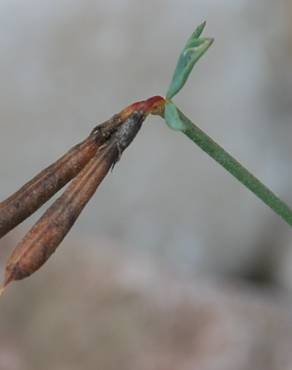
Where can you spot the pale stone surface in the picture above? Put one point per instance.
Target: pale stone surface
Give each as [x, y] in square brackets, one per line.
[101, 307]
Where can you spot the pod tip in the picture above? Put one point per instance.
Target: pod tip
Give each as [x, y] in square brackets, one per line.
[154, 105]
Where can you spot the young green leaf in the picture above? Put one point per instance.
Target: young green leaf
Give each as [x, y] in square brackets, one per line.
[172, 117]
[194, 49]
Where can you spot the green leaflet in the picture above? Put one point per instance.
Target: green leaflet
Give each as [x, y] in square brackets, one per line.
[172, 117]
[194, 49]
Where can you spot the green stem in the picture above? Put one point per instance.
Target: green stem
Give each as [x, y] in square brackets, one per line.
[235, 168]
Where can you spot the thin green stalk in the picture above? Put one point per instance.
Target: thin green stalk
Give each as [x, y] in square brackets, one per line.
[194, 49]
[235, 168]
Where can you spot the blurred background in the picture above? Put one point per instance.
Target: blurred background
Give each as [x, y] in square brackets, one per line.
[173, 264]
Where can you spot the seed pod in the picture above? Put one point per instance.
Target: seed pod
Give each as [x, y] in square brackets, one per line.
[43, 186]
[45, 236]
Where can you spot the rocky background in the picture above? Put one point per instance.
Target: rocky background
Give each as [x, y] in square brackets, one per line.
[173, 264]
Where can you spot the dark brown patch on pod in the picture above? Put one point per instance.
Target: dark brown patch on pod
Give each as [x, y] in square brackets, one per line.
[43, 186]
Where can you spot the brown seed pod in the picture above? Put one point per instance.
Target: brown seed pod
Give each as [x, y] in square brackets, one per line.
[43, 186]
[45, 236]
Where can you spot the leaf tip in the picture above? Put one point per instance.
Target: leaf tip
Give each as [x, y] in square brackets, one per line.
[198, 31]
[202, 25]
